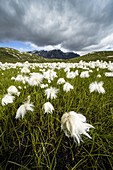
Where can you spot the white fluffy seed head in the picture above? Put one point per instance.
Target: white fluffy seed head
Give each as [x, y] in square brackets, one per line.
[8, 98]
[74, 125]
[27, 106]
[48, 107]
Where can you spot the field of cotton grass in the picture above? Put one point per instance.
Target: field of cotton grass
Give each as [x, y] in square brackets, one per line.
[56, 116]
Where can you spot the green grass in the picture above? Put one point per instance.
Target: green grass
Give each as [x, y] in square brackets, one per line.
[98, 55]
[37, 142]
[11, 55]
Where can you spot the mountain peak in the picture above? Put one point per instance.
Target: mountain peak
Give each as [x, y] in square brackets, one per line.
[55, 54]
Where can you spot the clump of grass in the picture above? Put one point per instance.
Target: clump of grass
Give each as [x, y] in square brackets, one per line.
[37, 142]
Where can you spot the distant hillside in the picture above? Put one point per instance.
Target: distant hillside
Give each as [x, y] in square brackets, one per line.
[99, 55]
[55, 54]
[12, 55]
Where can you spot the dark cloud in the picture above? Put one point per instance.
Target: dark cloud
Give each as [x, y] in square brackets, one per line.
[77, 25]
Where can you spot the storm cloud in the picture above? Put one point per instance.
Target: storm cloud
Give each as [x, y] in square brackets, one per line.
[77, 25]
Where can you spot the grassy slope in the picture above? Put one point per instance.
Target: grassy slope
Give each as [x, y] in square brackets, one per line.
[99, 55]
[37, 142]
[12, 55]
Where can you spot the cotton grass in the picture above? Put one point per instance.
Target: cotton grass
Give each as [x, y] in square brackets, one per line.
[43, 130]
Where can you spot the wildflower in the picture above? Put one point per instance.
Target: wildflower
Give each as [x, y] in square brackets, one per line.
[24, 87]
[74, 125]
[35, 79]
[99, 76]
[72, 74]
[21, 78]
[76, 73]
[13, 90]
[51, 92]
[67, 87]
[61, 81]
[97, 87]
[67, 69]
[43, 86]
[109, 74]
[19, 87]
[8, 98]
[25, 70]
[48, 107]
[27, 106]
[12, 78]
[84, 74]
[50, 75]
[97, 69]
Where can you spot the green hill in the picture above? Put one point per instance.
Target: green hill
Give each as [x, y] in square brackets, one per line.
[12, 55]
[99, 55]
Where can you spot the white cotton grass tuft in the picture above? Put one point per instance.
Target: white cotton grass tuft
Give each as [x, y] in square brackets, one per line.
[21, 78]
[97, 87]
[67, 87]
[13, 90]
[43, 86]
[51, 92]
[19, 87]
[74, 125]
[61, 81]
[35, 79]
[72, 74]
[109, 74]
[27, 106]
[84, 74]
[50, 75]
[25, 70]
[8, 98]
[99, 76]
[48, 107]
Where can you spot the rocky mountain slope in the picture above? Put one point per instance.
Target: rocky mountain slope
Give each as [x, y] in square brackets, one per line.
[55, 54]
[12, 55]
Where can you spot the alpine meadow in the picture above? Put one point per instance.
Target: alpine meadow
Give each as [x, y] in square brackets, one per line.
[56, 85]
[56, 116]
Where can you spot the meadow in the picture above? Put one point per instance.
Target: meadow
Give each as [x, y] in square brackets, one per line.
[33, 132]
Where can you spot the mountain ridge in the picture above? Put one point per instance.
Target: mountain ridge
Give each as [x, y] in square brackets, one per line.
[54, 54]
[12, 55]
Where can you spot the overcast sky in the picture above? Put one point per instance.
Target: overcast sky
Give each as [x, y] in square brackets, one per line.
[71, 25]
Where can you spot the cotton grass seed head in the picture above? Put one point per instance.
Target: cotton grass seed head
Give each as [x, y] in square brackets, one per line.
[61, 81]
[8, 98]
[51, 93]
[97, 87]
[74, 125]
[48, 107]
[13, 90]
[67, 87]
[35, 79]
[27, 106]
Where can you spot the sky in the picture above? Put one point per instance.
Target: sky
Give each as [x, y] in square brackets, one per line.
[81, 26]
